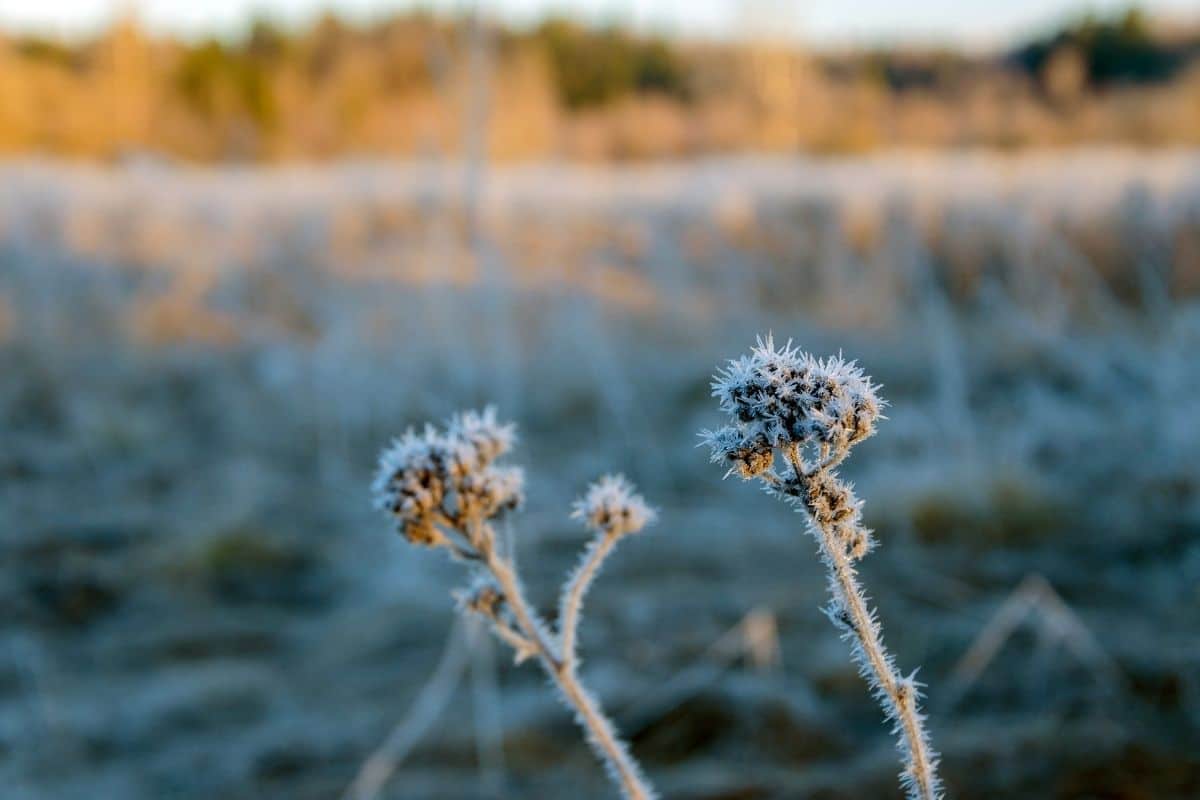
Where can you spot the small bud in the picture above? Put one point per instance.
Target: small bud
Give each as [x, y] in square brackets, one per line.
[421, 531]
[858, 543]
[612, 506]
[483, 597]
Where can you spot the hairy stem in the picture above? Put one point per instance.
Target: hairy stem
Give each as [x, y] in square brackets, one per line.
[577, 586]
[897, 695]
[603, 738]
[530, 625]
[599, 730]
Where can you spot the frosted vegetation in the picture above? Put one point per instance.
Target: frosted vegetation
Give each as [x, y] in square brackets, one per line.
[443, 489]
[810, 412]
[199, 370]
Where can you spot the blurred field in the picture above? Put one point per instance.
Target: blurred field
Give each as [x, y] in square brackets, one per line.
[411, 84]
[199, 367]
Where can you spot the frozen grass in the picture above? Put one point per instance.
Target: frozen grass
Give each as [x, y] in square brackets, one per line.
[199, 369]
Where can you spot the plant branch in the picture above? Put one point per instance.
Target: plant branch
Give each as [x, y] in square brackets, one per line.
[431, 700]
[599, 729]
[573, 594]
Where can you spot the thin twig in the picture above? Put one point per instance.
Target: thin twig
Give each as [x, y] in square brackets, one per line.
[431, 701]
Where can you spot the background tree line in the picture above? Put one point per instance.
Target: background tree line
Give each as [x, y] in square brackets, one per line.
[401, 87]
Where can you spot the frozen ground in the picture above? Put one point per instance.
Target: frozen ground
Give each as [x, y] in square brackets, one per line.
[199, 367]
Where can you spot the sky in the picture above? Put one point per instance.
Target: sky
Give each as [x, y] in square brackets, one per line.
[969, 23]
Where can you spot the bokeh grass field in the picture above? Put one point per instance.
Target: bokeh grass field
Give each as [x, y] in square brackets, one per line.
[197, 368]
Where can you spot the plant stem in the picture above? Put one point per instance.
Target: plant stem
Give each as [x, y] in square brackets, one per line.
[603, 738]
[896, 694]
[531, 626]
[572, 600]
[561, 669]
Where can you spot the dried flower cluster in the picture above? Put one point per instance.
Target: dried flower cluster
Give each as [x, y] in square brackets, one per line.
[779, 398]
[783, 402]
[443, 488]
[439, 482]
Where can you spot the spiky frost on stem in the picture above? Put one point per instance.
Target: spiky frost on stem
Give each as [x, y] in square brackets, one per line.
[812, 412]
[442, 488]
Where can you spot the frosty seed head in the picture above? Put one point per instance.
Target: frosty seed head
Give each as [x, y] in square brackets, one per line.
[612, 506]
[781, 396]
[429, 477]
[863, 410]
[815, 411]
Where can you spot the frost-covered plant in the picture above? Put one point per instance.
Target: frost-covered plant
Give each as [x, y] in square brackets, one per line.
[783, 402]
[443, 488]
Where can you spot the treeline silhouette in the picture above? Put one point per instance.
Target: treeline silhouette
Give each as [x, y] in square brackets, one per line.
[414, 84]
[1124, 49]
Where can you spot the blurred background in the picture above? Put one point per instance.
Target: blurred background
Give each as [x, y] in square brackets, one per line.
[243, 243]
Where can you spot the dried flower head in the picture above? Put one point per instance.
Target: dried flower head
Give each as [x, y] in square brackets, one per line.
[781, 397]
[410, 482]
[437, 478]
[612, 506]
[830, 500]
